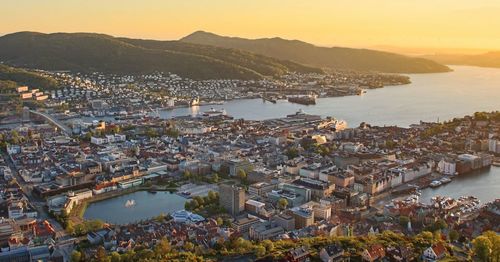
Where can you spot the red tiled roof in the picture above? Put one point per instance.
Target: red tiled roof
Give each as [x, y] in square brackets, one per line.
[439, 249]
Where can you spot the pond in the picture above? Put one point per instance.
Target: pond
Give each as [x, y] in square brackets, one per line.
[141, 205]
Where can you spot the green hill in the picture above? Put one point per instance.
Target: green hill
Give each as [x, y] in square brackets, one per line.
[490, 59]
[259, 63]
[11, 78]
[334, 57]
[85, 52]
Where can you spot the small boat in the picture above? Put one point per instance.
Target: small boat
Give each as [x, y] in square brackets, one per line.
[445, 180]
[496, 163]
[435, 183]
[152, 191]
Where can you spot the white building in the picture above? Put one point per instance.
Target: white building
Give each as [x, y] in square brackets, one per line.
[447, 167]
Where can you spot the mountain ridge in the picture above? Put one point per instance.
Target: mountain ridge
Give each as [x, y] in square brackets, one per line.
[489, 59]
[88, 52]
[323, 57]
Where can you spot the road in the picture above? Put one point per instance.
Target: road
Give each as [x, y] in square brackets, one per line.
[54, 121]
[38, 203]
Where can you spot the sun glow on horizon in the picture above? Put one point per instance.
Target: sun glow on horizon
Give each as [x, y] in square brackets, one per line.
[459, 24]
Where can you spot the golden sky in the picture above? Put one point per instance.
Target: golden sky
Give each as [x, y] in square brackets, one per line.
[471, 24]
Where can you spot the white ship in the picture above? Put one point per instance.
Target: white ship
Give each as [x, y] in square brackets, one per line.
[435, 183]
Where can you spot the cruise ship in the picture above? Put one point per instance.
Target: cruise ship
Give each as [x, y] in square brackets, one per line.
[213, 113]
[303, 99]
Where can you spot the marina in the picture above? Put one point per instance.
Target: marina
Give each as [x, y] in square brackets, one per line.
[483, 184]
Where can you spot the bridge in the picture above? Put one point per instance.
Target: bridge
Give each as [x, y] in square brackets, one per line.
[53, 121]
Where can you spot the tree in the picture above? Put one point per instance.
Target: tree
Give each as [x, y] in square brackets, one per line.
[260, 251]
[162, 248]
[93, 225]
[115, 257]
[69, 228]
[188, 246]
[482, 247]
[171, 132]
[151, 132]
[403, 221]
[212, 195]
[161, 217]
[440, 225]
[282, 203]
[187, 175]
[220, 221]
[215, 178]
[241, 245]
[242, 175]
[187, 205]
[268, 244]
[14, 137]
[145, 254]
[101, 255]
[292, 153]
[495, 241]
[453, 235]
[76, 256]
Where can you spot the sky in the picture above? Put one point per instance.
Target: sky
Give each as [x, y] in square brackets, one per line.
[440, 24]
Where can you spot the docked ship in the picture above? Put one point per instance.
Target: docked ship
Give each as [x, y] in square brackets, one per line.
[303, 99]
[445, 180]
[361, 92]
[213, 113]
[435, 183]
[496, 162]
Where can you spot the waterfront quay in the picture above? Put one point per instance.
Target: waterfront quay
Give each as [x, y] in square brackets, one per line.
[298, 175]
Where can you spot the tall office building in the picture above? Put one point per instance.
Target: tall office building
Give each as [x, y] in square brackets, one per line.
[232, 198]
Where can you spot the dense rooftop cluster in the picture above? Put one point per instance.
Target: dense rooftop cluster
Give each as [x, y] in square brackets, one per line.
[288, 180]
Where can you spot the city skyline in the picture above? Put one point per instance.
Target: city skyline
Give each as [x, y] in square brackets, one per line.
[461, 26]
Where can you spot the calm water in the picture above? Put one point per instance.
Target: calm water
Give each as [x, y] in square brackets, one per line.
[147, 205]
[429, 97]
[484, 184]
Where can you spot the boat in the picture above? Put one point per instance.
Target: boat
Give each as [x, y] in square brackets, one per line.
[303, 99]
[496, 163]
[130, 203]
[213, 113]
[435, 183]
[152, 191]
[445, 180]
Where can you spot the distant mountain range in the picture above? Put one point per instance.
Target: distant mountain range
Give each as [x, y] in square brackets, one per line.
[86, 52]
[198, 56]
[490, 59]
[324, 57]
